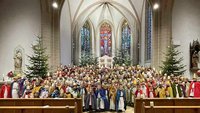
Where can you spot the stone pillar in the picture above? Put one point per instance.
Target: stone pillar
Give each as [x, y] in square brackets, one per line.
[162, 31]
[51, 31]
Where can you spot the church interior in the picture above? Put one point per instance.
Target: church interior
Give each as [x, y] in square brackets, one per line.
[75, 56]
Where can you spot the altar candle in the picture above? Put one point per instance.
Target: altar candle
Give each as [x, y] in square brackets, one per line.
[3, 77]
[160, 72]
[48, 74]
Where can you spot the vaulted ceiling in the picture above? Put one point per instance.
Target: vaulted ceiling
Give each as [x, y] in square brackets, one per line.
[110, 10]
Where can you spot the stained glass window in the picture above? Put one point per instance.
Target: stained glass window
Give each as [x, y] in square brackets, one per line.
[106, 39]
[148, 32]
[85, 39]
[126, 39]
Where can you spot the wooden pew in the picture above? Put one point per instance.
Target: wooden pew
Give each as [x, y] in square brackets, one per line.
[159, 109]
[27, 109]
[168, 102]
[77, 103]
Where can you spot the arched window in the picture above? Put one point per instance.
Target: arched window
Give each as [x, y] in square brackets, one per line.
[106, 39]
[148, 39]
[126, 39]
[85, 39]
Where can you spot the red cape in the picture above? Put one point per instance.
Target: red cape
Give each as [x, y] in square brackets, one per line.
[196, 88]
[3, 91]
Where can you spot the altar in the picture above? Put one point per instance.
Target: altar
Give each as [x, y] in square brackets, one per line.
[106, 61]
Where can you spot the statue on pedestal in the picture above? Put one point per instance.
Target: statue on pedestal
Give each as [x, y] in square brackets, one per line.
[194, 56]
[18, 57]
[195, 59]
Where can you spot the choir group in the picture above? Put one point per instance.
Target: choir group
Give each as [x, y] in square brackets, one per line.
[103, 89]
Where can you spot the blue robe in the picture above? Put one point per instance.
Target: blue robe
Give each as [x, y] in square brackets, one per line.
[21, 87]
[118, 98]
[56, 93]
[103, 96]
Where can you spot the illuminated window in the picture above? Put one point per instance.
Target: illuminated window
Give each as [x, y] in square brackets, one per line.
[148, 39]
[106, 39]
[126, 39]
[85, 39]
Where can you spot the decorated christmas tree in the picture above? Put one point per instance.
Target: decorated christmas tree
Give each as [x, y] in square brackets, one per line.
[172, 63]
[121, 58]
[88, 59]
[38, 61]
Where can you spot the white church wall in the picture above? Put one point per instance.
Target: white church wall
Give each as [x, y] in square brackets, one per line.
[20, 22]
[186, 26]
[65, 35]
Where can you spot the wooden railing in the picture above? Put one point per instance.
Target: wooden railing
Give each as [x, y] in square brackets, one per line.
[23, 108]
[153, 109]
[40, 105]
[170, 105]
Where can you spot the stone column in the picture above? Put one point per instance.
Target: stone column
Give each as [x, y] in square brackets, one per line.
[162, 31]
[51, 31]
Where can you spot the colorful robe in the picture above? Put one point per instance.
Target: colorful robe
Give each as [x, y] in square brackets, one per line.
[112, 96]
[14, 89]
[129, 96]
[5, 91]
[176, 87]
[21, 87]
[138, 93]
[101, 97]
[43, 93]
[195, 90]
[56, 93]
[169, 91]
[83, 93]
[90, 100]
[120, 99]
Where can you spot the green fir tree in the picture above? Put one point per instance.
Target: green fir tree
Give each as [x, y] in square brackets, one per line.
[172, 63]
[122, 58]
[88, 59]
[38, 61]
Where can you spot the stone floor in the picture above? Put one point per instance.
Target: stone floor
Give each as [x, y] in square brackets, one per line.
[128, 110]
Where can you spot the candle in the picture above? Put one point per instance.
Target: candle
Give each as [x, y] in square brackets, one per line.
[3, 77]
[160, 72]
[48, 74]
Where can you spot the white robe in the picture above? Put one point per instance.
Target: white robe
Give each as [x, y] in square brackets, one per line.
[101, 104]
[121, 102]
[83, 96]
[15, 90]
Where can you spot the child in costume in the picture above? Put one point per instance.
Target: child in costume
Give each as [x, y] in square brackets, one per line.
[5, 90]
[121, 99]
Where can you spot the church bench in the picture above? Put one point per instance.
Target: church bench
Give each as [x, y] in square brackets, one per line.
[75, 104]
[160, 109]
[166, 103]
[28, 109]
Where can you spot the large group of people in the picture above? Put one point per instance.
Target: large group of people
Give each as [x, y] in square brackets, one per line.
[103, 89]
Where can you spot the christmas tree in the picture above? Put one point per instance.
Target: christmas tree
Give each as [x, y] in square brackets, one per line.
[38, 61]
[172, 64]
[121, 58]
[88, 59]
